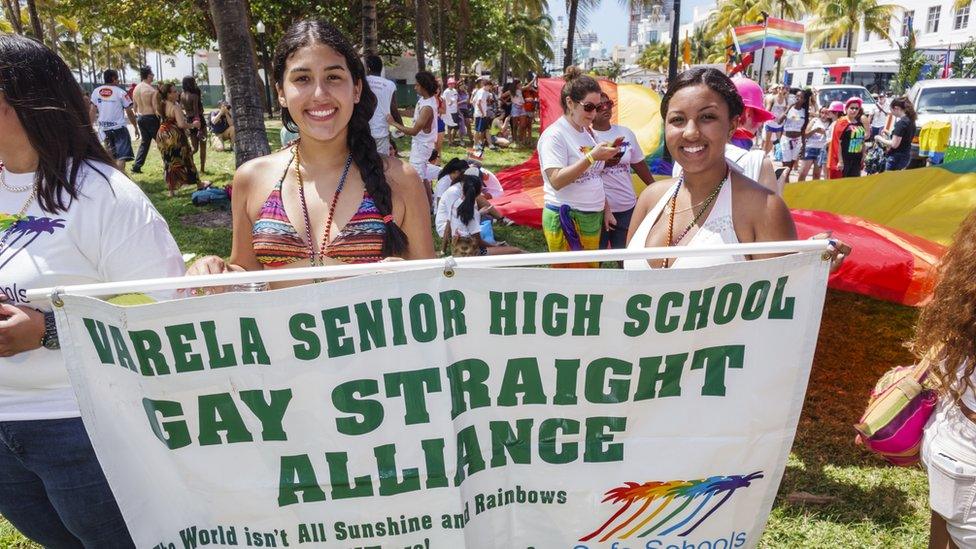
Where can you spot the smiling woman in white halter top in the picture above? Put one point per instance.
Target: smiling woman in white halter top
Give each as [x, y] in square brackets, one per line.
[709, 204]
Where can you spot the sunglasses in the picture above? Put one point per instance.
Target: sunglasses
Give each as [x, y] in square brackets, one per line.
[589, 107]
[605, 105]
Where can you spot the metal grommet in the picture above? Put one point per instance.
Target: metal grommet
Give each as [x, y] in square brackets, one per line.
[449, 265]
[56, 297]
[826, 256]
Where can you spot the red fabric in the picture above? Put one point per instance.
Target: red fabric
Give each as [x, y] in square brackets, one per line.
[885, 263]
[833, 147]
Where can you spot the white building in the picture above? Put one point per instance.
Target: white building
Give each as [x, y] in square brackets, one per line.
[558, 42]
[938, 29]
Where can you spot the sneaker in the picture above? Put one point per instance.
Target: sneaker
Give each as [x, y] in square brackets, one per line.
[506, 222]
[136, 170]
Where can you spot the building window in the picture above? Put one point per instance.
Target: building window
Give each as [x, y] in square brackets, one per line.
[962, 18]
[906, 22]
[867, 35]
[932, 24]
[836, 44]
[810, 78]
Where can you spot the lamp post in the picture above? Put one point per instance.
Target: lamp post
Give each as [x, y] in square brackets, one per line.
[264, 66]
[658, 11]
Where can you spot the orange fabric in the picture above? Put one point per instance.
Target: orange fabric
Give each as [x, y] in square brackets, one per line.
[833, 148]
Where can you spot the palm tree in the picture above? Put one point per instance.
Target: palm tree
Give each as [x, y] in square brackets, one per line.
[960, 4]
[11, 10]
[577, 10]
[734, 13]
[529, 42]
[463, 15]
[655, 57]
[370, 35]
[37, 30]
[422, 32]
[793, 10]
[236, 45]
[838, 18]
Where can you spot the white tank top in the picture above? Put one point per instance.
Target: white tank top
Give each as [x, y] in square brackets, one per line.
[778, 107]
[384, 90]
[716, 230]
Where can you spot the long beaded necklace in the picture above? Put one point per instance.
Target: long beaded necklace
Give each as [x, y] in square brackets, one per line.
[318, 259]
[23, 210]
[673, 203]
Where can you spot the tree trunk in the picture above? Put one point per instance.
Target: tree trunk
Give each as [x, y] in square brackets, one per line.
[240, 71]
[370, 34]
[421, 25]
[440, 41]
[570, 33]
[37, 30]
[850, 42]
[13, 15]
[462, 29]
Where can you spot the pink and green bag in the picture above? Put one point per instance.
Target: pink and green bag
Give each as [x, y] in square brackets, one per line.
[899, 407]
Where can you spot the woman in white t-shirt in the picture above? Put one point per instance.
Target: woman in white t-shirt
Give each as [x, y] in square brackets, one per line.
[571, 160]
[816, 142]
[67, 217]
[424, 129]
[946, 333]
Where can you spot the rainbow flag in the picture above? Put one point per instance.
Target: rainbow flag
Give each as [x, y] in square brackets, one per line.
[778, 33]
[784, 34]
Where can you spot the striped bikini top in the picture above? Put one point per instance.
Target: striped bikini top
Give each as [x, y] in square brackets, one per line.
[276, 243]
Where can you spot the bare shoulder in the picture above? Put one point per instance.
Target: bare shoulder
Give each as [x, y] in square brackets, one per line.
[402, 178]
[762, 210]
[262, 172]
[653, 193]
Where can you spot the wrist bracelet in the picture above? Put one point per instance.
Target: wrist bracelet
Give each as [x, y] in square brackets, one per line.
[589, 157]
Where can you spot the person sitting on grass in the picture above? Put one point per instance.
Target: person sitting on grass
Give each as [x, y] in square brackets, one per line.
[222, 126]
[462, 228]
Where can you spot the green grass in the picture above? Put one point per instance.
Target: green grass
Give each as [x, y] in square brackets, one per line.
[865, 504]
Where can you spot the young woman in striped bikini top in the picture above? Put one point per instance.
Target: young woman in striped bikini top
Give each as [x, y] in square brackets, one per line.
[329, 198]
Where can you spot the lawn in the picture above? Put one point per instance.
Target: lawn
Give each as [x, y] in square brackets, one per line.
[834, 494]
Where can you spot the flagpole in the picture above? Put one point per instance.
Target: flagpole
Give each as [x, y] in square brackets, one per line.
[762, 61]
[449, 264]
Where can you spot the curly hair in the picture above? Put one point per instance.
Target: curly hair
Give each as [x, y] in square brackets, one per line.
[946, 329]
[360, 141]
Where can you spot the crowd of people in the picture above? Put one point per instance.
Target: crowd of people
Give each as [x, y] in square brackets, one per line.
[336, 195]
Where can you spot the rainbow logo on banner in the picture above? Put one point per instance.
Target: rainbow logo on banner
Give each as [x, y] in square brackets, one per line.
[778, 33]
[681, 493]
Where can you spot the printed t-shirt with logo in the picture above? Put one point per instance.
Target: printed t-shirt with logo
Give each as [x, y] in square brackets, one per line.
[617, 182]
[111, 102]
[561, 145]
[110, 233]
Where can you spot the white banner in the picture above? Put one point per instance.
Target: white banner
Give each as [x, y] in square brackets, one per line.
[495, 408]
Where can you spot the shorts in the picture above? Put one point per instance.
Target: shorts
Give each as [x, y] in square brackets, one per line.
[440, 125]
[456, 117]
[790, 148]
[949, 454]
[813, 153]
[119, 144]
[517, 110]
[822, 161]
[482, 123]
[773, 129]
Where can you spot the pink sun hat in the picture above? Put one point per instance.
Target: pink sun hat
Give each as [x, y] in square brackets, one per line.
[836, 106]
[752, 98]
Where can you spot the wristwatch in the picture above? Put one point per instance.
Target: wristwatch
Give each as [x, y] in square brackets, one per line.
[50, 339]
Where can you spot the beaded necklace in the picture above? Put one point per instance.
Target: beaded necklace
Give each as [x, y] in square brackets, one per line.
[674, 201]
[318, 259]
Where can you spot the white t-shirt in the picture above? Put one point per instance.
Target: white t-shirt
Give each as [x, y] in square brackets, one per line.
[491, 184]
[384, 90]
[458, 227]
[794, 120]
[450, 97]
[429, 135]
[430, 174]
[562, 145]
[110, 233]
[111, 102]
[616, 179]
[480, 102]
[817, 140]
[441, 186]
[879, 118]
[442, 215]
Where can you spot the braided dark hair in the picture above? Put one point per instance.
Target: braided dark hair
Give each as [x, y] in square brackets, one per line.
[362, 146]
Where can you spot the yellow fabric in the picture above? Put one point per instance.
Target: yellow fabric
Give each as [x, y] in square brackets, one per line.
[934, 137]
[926, 202]
[639, 109]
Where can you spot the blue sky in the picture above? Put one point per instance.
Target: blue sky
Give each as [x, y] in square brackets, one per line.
[609, 21]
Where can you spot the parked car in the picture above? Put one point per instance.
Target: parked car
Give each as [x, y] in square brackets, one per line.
[843, 92]
[941, 100]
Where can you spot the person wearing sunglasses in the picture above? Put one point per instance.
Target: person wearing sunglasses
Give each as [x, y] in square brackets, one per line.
[572, 159]
[616, 174]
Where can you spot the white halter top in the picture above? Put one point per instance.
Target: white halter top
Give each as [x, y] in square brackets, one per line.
[716, 230]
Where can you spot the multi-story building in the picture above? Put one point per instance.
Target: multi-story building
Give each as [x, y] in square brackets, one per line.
[939, 30]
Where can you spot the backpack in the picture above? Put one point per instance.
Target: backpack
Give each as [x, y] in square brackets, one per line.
[898, 409]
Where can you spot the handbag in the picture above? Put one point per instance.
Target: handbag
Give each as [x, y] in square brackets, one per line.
[898, 409]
